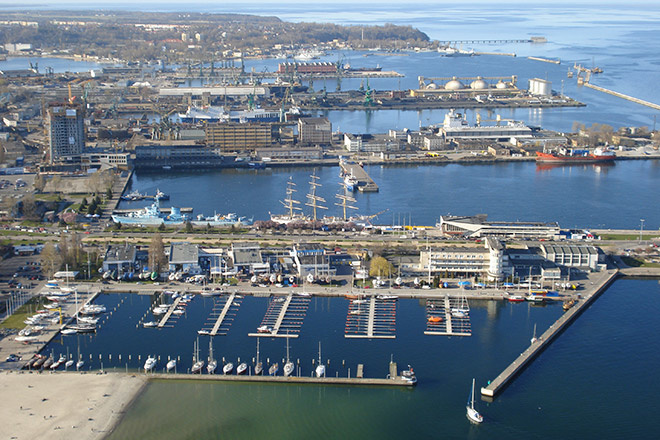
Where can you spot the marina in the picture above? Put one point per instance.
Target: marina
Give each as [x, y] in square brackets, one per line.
[169, 312]
[221, 313]
[284, 317]
[372, 318]
[449, 316]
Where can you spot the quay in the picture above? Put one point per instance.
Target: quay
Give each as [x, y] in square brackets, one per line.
[501, 381]
[454, 42]
[392, 380]
[545, 60]
[511, 54]
[284, 317]
[365, 183]
[163, 210]
[621, 95]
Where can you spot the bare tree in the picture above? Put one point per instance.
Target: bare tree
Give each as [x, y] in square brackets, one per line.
[51, 260]
[157, 259]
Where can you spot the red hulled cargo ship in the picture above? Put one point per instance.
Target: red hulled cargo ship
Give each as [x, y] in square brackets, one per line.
[574, 155]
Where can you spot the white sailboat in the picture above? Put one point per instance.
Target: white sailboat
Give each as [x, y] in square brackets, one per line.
[320, 367]
[288, 366]
[149, 364]
[171, 365]
[213, 364]
[472, 413]
[197, 364]
[534, 338]
[242, 368]
[258, 366]
[228, 368]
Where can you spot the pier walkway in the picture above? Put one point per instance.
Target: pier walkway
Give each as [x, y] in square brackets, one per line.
[621, 95]
[365, 183]
[169, 312]
[448, 316]
[219, 327]
[284, 317]
[593, 291]
[373, 318]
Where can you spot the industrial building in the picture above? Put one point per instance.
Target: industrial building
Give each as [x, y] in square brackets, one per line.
[478, 226]
[238, 137]
[66, 130]
[315, 131]
[175, 154]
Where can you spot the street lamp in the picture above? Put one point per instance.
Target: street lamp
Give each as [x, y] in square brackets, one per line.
[641, 229]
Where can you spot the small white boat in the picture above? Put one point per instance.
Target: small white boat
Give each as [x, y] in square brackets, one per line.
[258, 366]
[149, 324]
[274, 369]
[472, 413]
[80, 364]
[68, 364]
[288, 366]
[228, 368]
[386, 297]
[197, 367]
[242, 368]
[25, 338]
[211, 366]
[264, 329]
[179, 312]
[171, 365]
[534, 338]
[320, 367]
[149, 364]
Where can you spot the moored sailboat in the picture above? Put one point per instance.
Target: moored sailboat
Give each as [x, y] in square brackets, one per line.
[472, 413]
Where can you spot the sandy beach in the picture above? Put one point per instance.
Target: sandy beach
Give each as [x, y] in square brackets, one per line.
[64, 405]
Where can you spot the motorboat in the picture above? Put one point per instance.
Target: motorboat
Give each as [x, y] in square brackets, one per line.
[434, 319]
[409, 375]
[228, 368]
[516, 298]
[472, 414]
[171, 365]
[80, 364]
[68, 364]
[149, 364]
[149, 324]
[242, 368]
[274, 368]
[264, 329]
[320, 367]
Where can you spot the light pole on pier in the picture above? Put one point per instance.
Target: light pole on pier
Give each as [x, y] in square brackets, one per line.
[641, 229]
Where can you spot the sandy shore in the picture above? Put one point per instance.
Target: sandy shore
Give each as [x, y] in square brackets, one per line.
[63, 405]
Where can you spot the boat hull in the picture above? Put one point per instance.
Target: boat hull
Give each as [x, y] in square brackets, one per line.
[562, 159]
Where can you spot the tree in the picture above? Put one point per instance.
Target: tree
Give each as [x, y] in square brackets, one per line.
[39, 182]
[51, 260]
[189, 227]
[29, 208]
[380, 267]
[157, 259]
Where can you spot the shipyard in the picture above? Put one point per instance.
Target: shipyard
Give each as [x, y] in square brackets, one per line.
[211, 220]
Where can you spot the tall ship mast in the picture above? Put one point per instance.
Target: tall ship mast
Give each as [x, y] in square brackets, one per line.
[293, 211]
[314, 200]
[345, 199]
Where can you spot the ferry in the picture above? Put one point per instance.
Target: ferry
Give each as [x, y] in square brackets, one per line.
[575, 155]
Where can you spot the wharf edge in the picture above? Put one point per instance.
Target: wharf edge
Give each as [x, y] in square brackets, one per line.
[519, 364]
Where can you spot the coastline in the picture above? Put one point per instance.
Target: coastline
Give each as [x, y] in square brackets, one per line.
[65, 405]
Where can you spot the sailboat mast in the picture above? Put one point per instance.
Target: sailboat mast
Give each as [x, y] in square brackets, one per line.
[314, 200]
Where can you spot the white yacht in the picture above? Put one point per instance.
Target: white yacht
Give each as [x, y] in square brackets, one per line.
[472, 413]
[171, 365]
[320, 367]
[228, 368]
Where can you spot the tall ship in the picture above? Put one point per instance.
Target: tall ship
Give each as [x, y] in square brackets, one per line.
[293, 210]
[575, 155]
[151, 215]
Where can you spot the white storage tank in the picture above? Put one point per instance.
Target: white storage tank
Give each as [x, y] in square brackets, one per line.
[540, 87]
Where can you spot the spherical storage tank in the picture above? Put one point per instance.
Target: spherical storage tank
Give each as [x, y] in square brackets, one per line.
[454, 84]
[478, 84]
[500, 85]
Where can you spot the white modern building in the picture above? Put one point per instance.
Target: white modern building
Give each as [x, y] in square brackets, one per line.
[477, 226]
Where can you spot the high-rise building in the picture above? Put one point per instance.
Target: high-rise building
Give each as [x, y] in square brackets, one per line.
[66, 130]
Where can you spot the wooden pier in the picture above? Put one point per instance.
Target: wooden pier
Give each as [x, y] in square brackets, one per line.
[221, 318]
[501, 381]
[449, 316]
[284, 317]
[169, 312]
[373, 319]
[365, 183]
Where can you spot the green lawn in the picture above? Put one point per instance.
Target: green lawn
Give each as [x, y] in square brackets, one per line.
[638, 262]
[17, 318]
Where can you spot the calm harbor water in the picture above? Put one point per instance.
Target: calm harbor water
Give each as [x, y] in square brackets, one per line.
[575, 196]
[593, 382]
